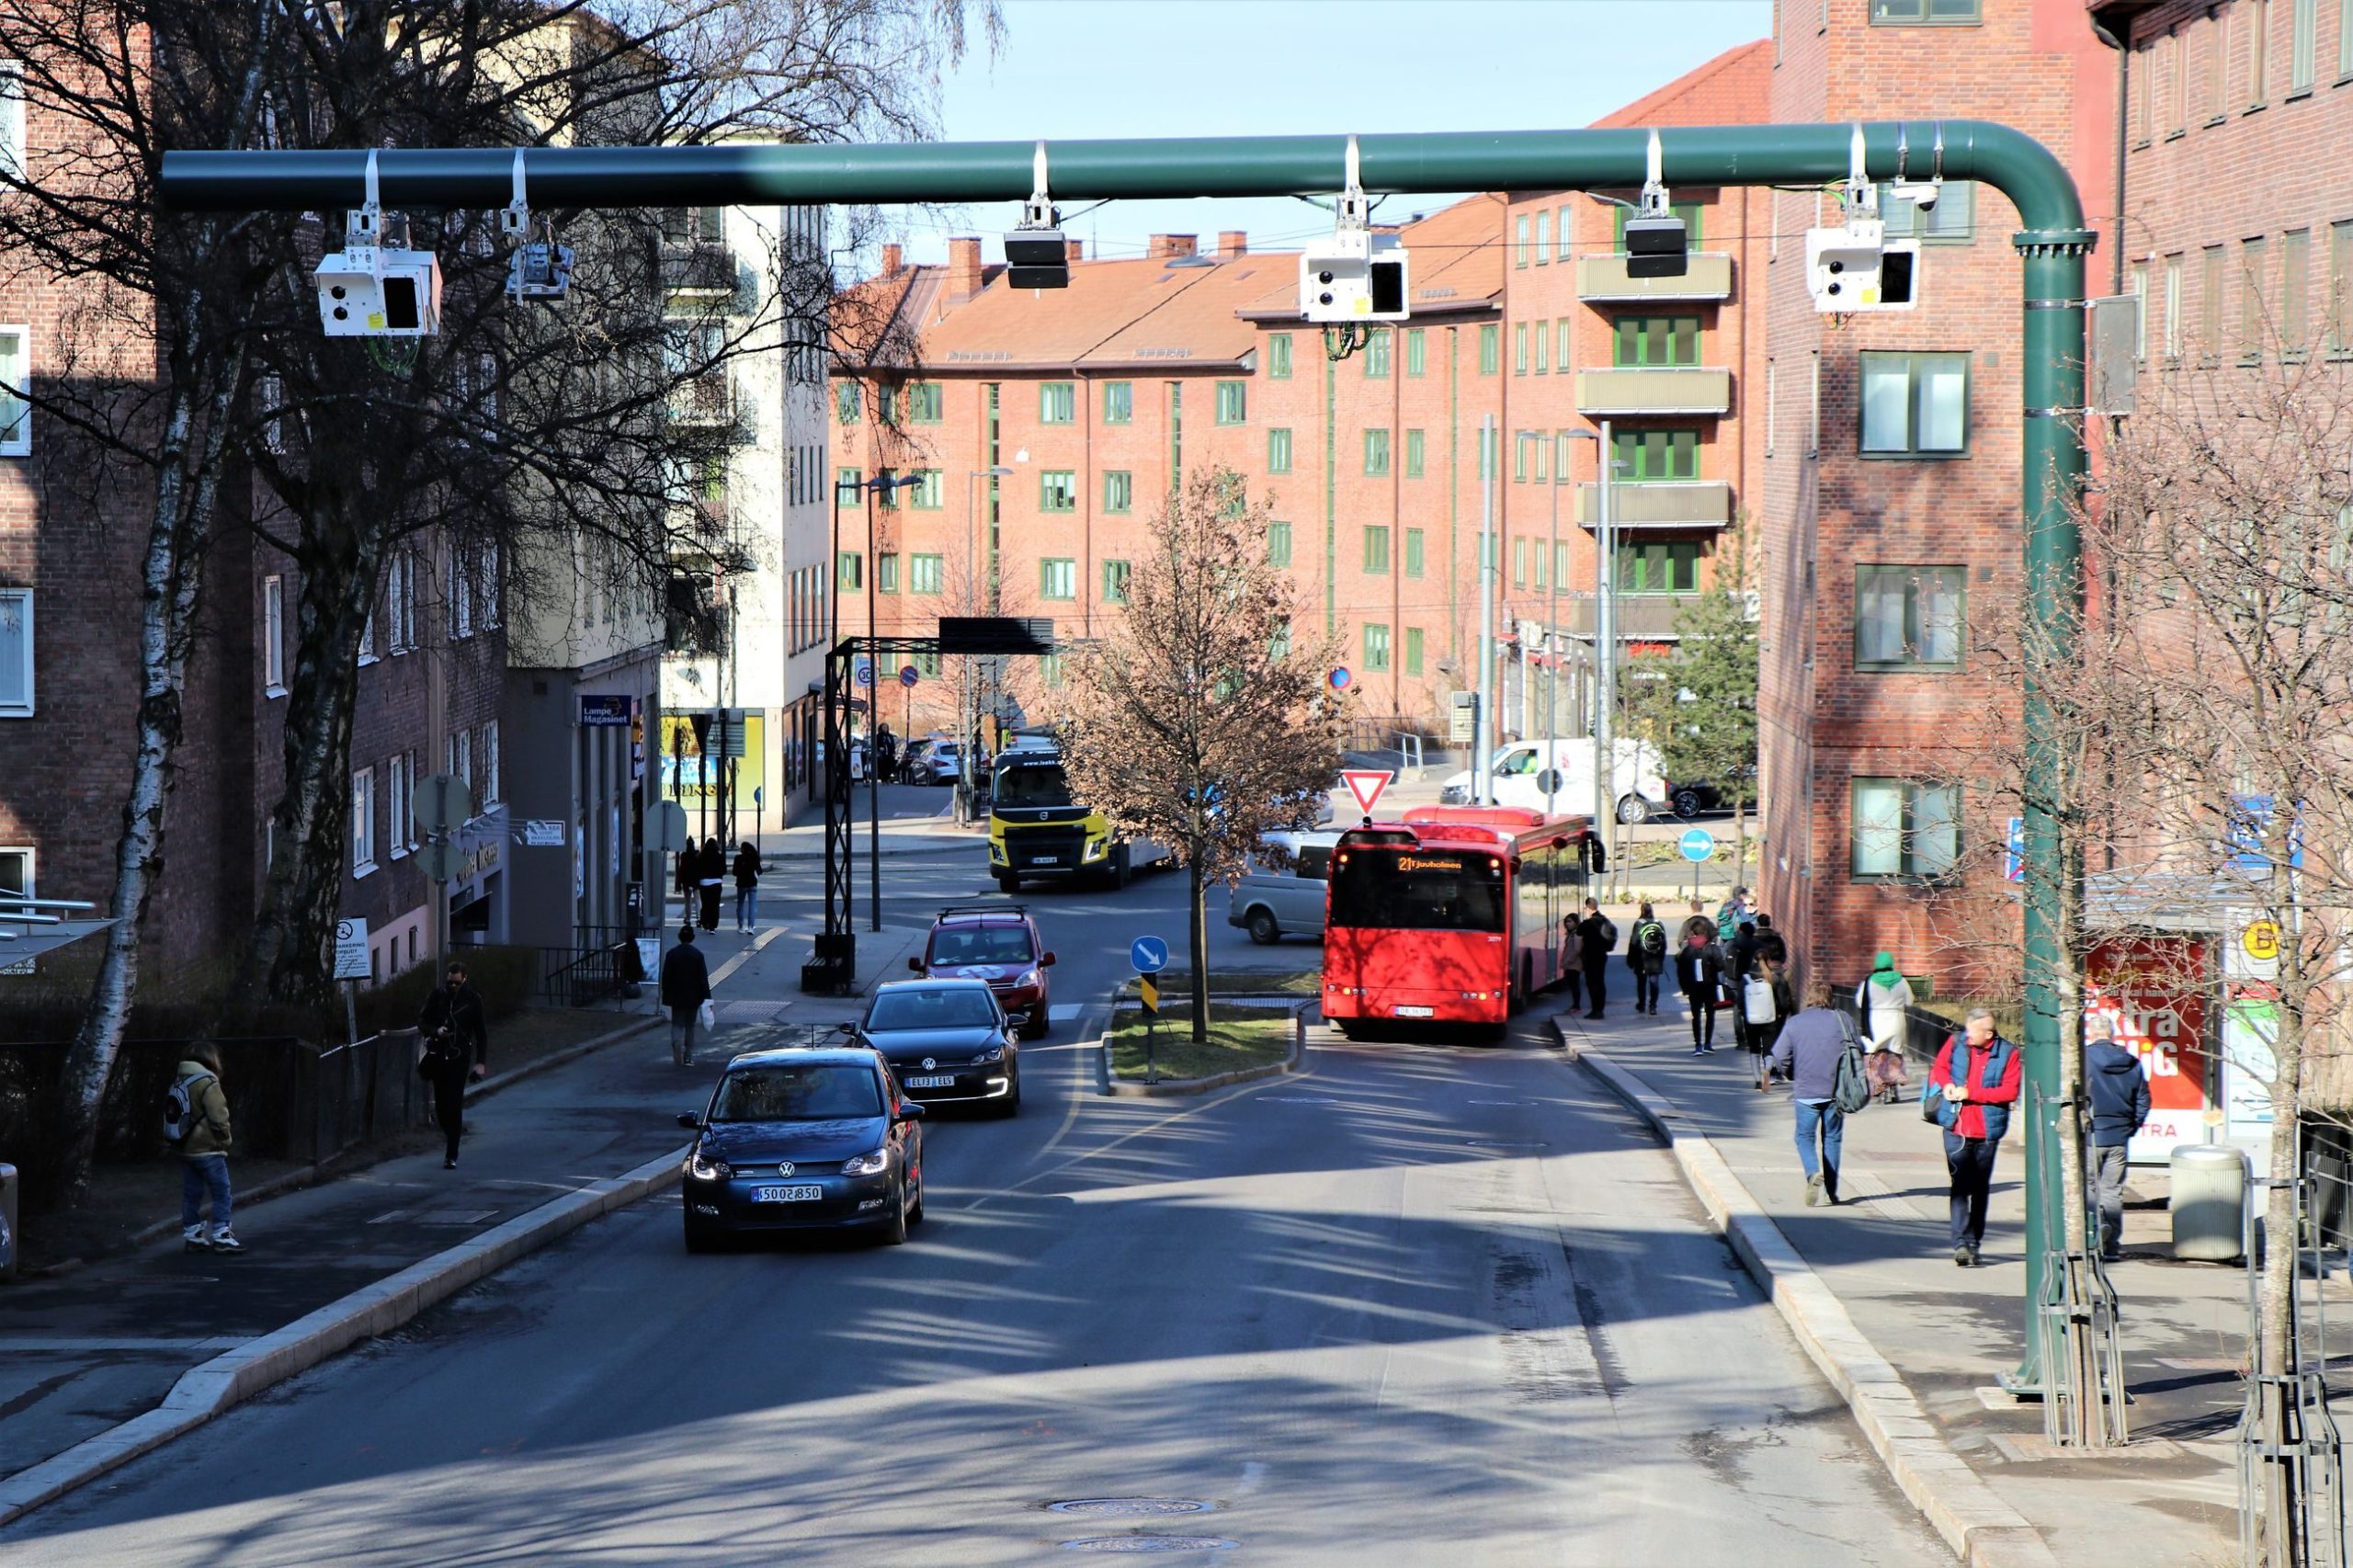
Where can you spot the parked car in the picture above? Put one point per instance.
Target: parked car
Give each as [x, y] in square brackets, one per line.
[1518, 776]
[941, 761]
[997, 943]
[1282, 895]
[947, 1041]
[914, 762]
[803, 1140]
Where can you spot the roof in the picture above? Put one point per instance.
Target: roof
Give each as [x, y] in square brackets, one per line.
[1016, 916]
[1732, 89]
[1114, 314]
[801, 1055]
[950, 983]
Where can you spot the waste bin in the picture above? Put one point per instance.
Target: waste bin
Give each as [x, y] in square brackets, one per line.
[2209, 1189]
[7, 1223]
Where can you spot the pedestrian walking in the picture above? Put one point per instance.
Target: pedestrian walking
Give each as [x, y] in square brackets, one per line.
[1646, 956]
[747, 888]
[1767, 1003]
[711, 875]
[1883, 1003]
[195, 1120]
[688, 876]
[1971, 1089]
[1737, 914]
[1572, 961]
[1740, 963]
[1769, 942]
[1596, 939]
[2119, 1092]
[1807, 1052]
[686, 986]
[457, 1046]
[1698, 974]
[1699, 922]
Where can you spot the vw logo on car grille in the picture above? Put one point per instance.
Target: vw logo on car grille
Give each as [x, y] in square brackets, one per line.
[785, 1169]
[929, 1063]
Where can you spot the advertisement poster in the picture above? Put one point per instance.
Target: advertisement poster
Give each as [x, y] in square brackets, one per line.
[2152, 991]
[694, 780]
[2249, 1031]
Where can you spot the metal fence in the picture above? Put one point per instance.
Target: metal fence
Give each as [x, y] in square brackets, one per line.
[601, 963]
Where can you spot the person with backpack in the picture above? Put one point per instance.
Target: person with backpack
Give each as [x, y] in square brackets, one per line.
[686, 986]
[1738, 914]
[1883, 1002]
[1969, 1091]
[1596, 939]
[1769, 943]
[1767, 1004]
[1698, 974]
[1646, 956]
[747, 889]
[2119, 1092]
[1699, 924]
[1740, 962]
[457, 1045]
[196, 1120]
[1821, 1053]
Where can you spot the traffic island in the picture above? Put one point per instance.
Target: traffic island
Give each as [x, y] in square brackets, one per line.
[1247, 1039]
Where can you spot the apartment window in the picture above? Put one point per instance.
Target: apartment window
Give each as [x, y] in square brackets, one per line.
[846, 483]
[1417, 351]
[1119, 489]
[2258, 49]
[2177, 79]
[15, 412]
[1915, 404]
[397, 815]
[1560, 350]
[1519, 242]
[363, 821]
[1543, 238]
[1520, 456]
[2210, 303]
[494, 788]
[1540, 448]
[1658, 569]
[1376, 550]
[1655, 340]
[1232, 403]
[923, 404]
[1924, 13]
[845, 402]
[462, 756]
[1118, 403]
[1647, 455]
[1413, 650]
[1561, 231]
[1115, 582]
[2255, 254]
[15, 652]
[2340, 269]
[2295, 292]
[922, 573]
[1951, 222]
[2139, 286]
[2172, 331]
[12, 117]
[1376, 354]
[848, 571]
[1519, 563]
[2344, 40]
[1278, 451]
[1414, 552]
[1908, 618]
[273, 636]
[1376, 453]
[1058, 490]
[1057, 402]
[1519, 348]
[929, 493]
[1541, 341]
[886, 571]
[1561, 564]
[1905, 829]
[927, 663]
[1278, 544]
[1413, 452]
[1490, 348]
[1279, 356]
[1376, 643]
[2218, 67]
[1058, 579]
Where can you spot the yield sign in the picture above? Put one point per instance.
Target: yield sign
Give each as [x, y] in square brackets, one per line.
[1365, 784]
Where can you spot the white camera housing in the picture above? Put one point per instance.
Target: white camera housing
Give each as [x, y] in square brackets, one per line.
[1360, 276]
[1857, 268]
[1921, 194]
[372, 289]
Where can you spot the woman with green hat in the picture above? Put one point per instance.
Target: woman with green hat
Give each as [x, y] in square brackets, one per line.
[1882, 1004]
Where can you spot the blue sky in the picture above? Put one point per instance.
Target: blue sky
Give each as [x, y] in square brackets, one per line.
[1092, 68]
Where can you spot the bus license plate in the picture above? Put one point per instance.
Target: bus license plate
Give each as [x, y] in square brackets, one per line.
[1416, 1012]
[947, 1082]
[787, 1194]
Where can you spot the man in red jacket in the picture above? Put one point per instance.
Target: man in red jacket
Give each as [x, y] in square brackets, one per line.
[1976, 1080]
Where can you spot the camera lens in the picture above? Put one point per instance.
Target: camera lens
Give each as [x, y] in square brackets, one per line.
[336, 291]
[1324, 278]
[1838, 267]
[342, 315]
[1325, 298]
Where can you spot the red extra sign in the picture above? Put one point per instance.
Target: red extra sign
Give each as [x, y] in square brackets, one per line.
[2153, 992]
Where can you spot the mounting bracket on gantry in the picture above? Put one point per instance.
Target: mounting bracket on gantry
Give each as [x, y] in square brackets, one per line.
[1036, 255]
[541, 268]
[1360, 277]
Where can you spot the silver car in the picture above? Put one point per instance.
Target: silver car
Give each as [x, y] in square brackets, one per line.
[1283, 893]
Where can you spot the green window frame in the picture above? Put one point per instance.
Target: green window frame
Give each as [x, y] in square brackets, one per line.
[1417, 351]
[1519, 242]
[1376, 354]
[1058, 579]
[1926, 13]
[846, 401]
[1951, 222]
[1519, 563]
[1544, 236]
[1413, 650]
[1910, 618]
[1376, 550]
[926, 665]
[1233, 403]
[1658, 568]
[1279, 356]
[923, 403]
[847, 486]
[1057, 490]
[1057, 402]
[930, 492]
[1541, 342]
[1118, 403]
[1519, 348]
[924, 574]
[886, 571]
[1376, 645]
[1119, 489]
[886, 493]
[1414, 553]
[1651, 455]
[1278, 544]
[1560, 337]
[1490, 348]
[1914, 406]
[1415, 452]
[1638, 342]
[1904, 830]
[1278, 451]
[849, 574]
[1376, 453]
[1115, 582]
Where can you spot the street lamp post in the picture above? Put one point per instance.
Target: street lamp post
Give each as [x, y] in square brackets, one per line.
[967, 698]
[1552, 617]
[1604, 641]
[873, 488]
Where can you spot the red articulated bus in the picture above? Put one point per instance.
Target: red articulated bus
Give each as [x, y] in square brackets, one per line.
[1452, 915]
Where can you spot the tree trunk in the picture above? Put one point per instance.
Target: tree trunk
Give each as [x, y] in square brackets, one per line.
[2282, 1531]
[1197, 935]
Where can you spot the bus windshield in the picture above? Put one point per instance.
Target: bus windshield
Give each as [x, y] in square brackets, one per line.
[1418, 890]
[1032, 785]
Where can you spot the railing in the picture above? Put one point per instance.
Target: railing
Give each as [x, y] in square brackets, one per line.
[601, 963]
[1409, 751]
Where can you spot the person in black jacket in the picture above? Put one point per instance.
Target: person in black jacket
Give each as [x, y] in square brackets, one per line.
[1646, 956]
[686, 986]
[710, 874]
[1596, 938]
[1698, 974]
[2119, 1092]
[457, 1046]
[747, 888]
[1740, 960]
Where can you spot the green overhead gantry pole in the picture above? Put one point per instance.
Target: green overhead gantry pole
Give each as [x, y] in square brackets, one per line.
[2052, 242]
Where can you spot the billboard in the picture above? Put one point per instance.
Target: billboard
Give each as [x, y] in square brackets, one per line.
[693, 779]
[2152, 991]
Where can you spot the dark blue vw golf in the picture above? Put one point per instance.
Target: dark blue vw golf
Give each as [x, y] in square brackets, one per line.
[803, 1140]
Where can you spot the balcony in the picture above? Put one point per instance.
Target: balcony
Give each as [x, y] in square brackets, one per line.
[1642, 618]
[704, 268]
[1659, 503]
[1669, 390]
[704, 401]
[1601, 279]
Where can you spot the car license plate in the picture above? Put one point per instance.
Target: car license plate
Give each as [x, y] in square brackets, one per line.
[787, 1194]
[1416, 1012]
[931, 1083]
[1042, 860]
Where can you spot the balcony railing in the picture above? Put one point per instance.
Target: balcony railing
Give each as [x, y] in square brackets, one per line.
[1602, 278]
[1642, 618]
[703, 268]
[706, 399]
[1654, 503]
[1675, 389]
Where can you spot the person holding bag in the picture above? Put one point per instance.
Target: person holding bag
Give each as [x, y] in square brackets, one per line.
[686, 991]
[1977, 1078]
[1698, 974]
[457, 1037]
[1882, 1002]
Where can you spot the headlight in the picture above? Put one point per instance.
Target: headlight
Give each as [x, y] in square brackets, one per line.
[1029, 981]
[707, 1170]
[994, 1053]
[1094, 850]
[996, 850]
[873, 1164]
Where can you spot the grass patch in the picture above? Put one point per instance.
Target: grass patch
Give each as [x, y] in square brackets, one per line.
[1176, 984]
[1238, 1037]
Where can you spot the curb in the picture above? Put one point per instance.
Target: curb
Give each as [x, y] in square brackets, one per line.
[218, 1385]
[1982, 1530]
[1170, 1088]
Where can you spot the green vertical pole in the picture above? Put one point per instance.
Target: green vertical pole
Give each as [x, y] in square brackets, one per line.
[1331, 473]
[1454, 497]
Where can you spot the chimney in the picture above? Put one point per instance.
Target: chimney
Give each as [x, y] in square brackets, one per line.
[963, 266]
[1231, 243]
[892, 259]
[1169, 247]
[1075, 250]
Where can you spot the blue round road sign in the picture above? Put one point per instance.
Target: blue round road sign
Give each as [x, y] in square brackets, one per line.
[865, 672]
[1149, 954]
[908, 674]
[1340, 678]
[1697, 844]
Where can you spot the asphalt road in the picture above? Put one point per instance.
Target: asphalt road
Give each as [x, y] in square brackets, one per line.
[1420, 1304]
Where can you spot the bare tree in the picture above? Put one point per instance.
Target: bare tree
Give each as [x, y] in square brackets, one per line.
[1198, 722]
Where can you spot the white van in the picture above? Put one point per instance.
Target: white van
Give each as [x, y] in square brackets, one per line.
[1282, 895]
[1519, 777]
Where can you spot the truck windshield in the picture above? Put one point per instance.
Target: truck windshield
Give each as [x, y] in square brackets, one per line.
[1417, 890]
[1032, 785]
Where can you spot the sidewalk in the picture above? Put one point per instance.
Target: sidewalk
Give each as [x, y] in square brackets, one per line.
[1949, 1332]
